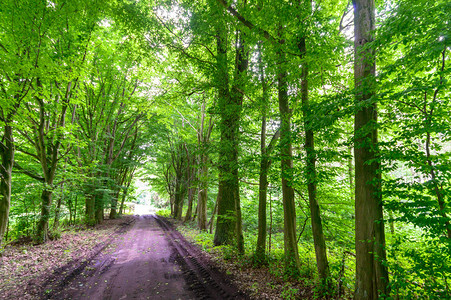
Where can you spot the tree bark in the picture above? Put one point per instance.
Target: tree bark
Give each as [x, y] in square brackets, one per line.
[179, 195]
[47, 149]
[189, 211]
[90, 216]
[289, 208]
[317, 227]
[125, 191]
[113, 211]
[438, 189]
[42, 230]
[203, 196]
[371, 273]
[99, 207]
[56, 218]
[260, 249]
[215, 210]
[265, 164]
[228, 153]
[191, 172]
[7, 155]
[203, 139]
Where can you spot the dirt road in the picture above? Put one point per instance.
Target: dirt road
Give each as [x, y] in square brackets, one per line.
[150, 260]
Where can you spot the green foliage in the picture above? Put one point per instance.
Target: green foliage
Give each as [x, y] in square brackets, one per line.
[289, 292]
[164, 213]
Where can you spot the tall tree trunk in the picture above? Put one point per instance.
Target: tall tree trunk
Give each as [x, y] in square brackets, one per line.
[438, 189]
[47, 149]
[239, 221]
[228, 153]
[260, 249]
[317, 226]
[289, 208]
[270, 223]
[7, 155]
[371, 272]
[350, 173]
[229, 223]
[262, 196]
[202, 139]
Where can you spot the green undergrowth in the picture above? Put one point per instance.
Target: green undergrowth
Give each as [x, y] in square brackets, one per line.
[164, 213]
[341, 261]
[415, 273]
[286, 285]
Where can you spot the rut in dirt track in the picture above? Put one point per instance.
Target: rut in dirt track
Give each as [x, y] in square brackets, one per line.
[151, 261]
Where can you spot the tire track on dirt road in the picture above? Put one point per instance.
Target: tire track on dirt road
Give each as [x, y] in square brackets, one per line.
[206, 280]
[150, 260]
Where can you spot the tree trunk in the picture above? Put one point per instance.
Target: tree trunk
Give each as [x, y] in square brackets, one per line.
[90, 210]
[42, 231]
[178, 200]
[262, 198]
[125, 192]
[7, 155]
[171, 203]
[75, 208]
[437, 189]
[239, 221]
[99, 207]
[228, 153]
[56, 218]
[226, 221]
[289, 208]
[317, 227]
[371, 272]
[215, 210]
[265, 164]
[203, 190]
[229, 223]
[270, 223]
[260, 249]
[350, 173]
[189, 210]
[202, 139]
[113, 211]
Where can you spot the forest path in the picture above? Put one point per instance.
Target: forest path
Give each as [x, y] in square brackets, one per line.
[150, 261]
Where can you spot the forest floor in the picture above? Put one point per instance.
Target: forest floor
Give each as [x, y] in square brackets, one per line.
[130, 258]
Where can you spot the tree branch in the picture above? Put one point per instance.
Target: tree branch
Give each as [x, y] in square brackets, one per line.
[29, 173]
[247, 23]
